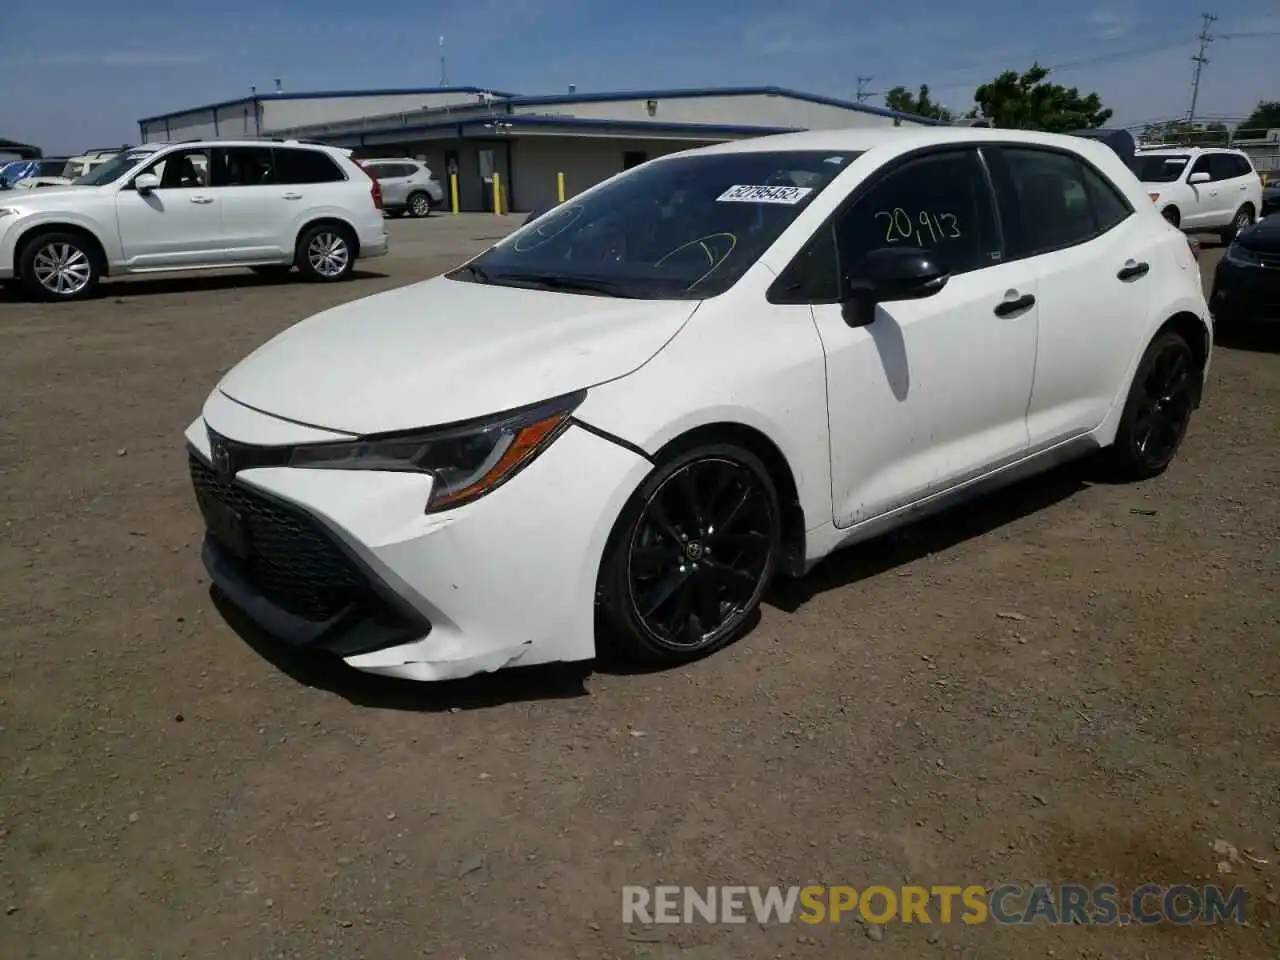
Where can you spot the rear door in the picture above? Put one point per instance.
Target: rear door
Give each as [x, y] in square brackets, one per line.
[253, 204]
[1095, 264]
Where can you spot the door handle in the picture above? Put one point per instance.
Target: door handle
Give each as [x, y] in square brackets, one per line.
[202, 199]
[293, 196]
[1132, 270]
[1013, 303]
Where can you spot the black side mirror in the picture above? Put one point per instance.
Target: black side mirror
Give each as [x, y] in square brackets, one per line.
[888, 274]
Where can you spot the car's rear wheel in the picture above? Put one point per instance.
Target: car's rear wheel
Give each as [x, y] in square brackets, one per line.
[326, 253]
[1171, 214]
[419, 205]
[692, 555]
[1242, 221]
[1157, 410]
[59, 266]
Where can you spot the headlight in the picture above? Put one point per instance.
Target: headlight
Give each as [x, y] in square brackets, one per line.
[1241, 257]
[465, 461]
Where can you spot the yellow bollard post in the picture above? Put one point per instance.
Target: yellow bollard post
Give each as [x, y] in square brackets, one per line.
[497, 194]
[453, 190]
[560, 187]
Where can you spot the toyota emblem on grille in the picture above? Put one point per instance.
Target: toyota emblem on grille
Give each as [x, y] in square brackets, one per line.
[220, 454]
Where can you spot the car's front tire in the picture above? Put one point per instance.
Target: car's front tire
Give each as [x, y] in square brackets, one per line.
[326, 253]
[419, 206]
[691, 556]
[1157, 411]
[57, 266]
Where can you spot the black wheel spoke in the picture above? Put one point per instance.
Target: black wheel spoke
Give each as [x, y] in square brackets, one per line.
[706, 598]
[729, 544]
[660, 520]
[735, 576]
[648, 562]
[662, 591]
[724, 523]
[677, 623]
[689, 500]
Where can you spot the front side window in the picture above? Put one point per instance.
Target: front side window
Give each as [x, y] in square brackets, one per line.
[1159, 167]
[1203, 164]
[182, 169]
[939, 202]
[680, 228]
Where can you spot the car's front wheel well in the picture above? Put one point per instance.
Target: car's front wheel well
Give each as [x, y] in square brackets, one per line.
[337, 222]
[94, 245]
[1171, 214]
[1192, 329]
[792, 561]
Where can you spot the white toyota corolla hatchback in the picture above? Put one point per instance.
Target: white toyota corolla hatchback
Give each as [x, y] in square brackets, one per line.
[619, 423]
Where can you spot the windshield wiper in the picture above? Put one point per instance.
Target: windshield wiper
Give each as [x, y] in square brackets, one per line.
[555, 281]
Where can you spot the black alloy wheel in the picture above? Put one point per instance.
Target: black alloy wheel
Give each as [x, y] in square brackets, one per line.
[696, 555]
[1158, 409]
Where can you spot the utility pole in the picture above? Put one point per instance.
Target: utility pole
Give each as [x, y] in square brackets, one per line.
[862, 88]
[1200, 60]
[444, 76]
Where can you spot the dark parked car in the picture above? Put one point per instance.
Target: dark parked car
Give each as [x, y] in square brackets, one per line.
[1246, 285]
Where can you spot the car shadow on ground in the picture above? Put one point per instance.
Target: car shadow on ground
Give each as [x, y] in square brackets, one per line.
[121, 289]
[933, 534]
[322, 672]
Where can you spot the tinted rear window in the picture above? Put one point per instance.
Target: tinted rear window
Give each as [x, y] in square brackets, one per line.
[306, 166]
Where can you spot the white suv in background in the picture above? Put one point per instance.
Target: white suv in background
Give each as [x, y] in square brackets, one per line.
[202, 204]
[1200, 189]
[408, 186]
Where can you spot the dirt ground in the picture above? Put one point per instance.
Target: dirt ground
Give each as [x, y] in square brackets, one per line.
[1066, 683]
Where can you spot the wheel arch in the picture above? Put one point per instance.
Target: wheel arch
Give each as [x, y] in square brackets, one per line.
[32, 232]
[1198, 336]
[759, 443]
[328, 221]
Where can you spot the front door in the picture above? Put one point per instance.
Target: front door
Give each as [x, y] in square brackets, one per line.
[179, 224]
[930, 392]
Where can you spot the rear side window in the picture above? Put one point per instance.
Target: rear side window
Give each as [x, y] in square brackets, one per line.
[1052, 200]
[306, 166]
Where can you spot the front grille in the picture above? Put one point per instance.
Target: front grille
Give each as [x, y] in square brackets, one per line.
[292, 560]
[1269, 259]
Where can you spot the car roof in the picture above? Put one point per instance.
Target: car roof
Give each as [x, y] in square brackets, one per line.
[900, 139]
[1169, 149]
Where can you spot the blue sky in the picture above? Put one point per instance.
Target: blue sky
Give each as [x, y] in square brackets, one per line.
[81, 74]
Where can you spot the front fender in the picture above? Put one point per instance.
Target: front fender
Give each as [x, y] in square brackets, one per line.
[22, 227]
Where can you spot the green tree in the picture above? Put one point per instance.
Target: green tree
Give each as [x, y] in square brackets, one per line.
[1027, 102]
[1265, 116]
[919, 105]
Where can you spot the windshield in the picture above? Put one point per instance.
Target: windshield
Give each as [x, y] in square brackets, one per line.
[1160, 168]
[682, 228]
[113, 169]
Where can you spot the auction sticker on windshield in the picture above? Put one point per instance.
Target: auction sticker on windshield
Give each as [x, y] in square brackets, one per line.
[745, 193]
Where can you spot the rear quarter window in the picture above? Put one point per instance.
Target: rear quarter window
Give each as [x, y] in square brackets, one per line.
[306, 166]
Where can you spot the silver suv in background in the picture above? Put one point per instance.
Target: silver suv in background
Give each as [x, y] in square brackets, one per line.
[408, 186]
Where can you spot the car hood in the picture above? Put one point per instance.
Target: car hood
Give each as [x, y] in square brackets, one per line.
[446, 350]
[38, 198]
[1263, 236]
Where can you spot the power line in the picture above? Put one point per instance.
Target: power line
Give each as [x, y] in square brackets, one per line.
[1200, 60]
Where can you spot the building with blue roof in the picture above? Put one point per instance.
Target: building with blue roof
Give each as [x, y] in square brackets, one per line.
[529, 141]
